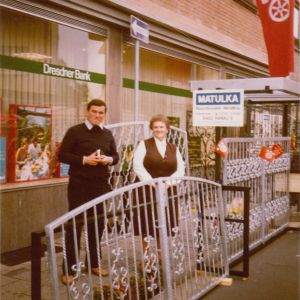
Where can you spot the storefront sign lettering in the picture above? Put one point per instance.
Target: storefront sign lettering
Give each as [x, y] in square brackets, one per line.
[36, 67]
[225, 98]
[63, 72]
[218, 108]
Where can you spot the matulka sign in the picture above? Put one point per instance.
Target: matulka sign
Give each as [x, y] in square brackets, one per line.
[218, 108]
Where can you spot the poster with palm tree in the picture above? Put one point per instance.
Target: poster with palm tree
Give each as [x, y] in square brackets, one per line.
[29, 143]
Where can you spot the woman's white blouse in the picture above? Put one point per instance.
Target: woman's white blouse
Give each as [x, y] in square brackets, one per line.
[139, 155]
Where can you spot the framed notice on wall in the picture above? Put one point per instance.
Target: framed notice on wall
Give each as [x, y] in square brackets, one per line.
[29, 143]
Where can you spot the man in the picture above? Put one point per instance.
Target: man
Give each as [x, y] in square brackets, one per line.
[89, 149]
[34, 149]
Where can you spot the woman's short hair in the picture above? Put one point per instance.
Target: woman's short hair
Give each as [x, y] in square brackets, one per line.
[159, 118]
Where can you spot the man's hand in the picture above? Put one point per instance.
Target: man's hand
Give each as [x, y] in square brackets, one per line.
[104, 160]
[92, 160]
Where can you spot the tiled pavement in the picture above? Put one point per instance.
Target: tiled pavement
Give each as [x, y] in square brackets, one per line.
[15, 281]
[274, 273]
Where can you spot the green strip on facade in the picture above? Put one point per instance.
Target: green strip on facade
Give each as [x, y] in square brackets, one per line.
[157, 88]
[31, 66]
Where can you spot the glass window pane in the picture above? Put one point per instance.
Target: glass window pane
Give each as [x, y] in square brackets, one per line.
[45, 64]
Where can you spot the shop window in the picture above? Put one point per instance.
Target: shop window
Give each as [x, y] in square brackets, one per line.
[48, 74]
[165, 84]
[204, 73]
[165, 88]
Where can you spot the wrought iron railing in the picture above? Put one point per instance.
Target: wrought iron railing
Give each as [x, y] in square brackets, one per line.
[269, 193]
[127, 136]
[165, 241]
[187, 227]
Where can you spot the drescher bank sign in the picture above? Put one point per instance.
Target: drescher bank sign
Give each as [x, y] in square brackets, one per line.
[67, 73]
[218, 108]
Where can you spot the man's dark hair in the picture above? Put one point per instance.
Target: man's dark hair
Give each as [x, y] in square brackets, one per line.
[96, 102]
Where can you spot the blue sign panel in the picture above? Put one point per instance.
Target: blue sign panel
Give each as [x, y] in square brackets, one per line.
[64, 170]
[2, 159]
[233, 98]
[139, 29]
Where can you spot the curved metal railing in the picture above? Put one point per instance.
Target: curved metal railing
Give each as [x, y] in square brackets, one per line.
[127, 136]
[163, 238]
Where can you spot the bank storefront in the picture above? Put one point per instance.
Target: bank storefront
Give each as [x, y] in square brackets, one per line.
[56, 57]
[49, 71]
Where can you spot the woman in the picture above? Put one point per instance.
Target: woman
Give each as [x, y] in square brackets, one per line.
[153, 158]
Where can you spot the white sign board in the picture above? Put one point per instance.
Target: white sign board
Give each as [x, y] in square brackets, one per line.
[218, 108]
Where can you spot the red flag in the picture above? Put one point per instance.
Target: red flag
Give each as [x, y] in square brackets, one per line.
[277, 17]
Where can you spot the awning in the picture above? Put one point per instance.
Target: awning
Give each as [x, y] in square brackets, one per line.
[270, 89]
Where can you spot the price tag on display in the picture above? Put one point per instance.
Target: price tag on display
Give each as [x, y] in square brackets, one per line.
[221, 149]
[266, 154]
[293, 142]
[278, 150]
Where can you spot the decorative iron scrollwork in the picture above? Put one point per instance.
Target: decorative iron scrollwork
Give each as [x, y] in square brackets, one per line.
[215, 232]
[198, 240]
[178, 251]
[79, 288]
[150, 264]
[120, 278]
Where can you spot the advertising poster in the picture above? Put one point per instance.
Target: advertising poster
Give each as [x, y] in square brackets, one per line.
[223, 108]
[29, 146]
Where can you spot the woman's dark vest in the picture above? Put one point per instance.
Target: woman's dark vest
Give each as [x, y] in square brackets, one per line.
[155, 164]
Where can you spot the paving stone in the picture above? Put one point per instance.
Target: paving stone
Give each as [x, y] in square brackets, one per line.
[7, 280]
[15, 272]
[16, 288]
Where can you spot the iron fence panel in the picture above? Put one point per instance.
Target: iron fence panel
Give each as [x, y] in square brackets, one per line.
[127, 136]
[269, 194]
[162, 239]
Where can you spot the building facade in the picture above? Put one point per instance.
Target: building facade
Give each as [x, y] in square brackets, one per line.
[57, 55]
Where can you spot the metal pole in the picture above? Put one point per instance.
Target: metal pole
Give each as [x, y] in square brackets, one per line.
[162, 198]
[136, 86]
[136, 79]
[36, 255]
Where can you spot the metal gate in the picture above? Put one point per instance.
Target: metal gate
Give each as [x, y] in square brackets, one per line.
[127, 136]
[269, 192]
[163, 242]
